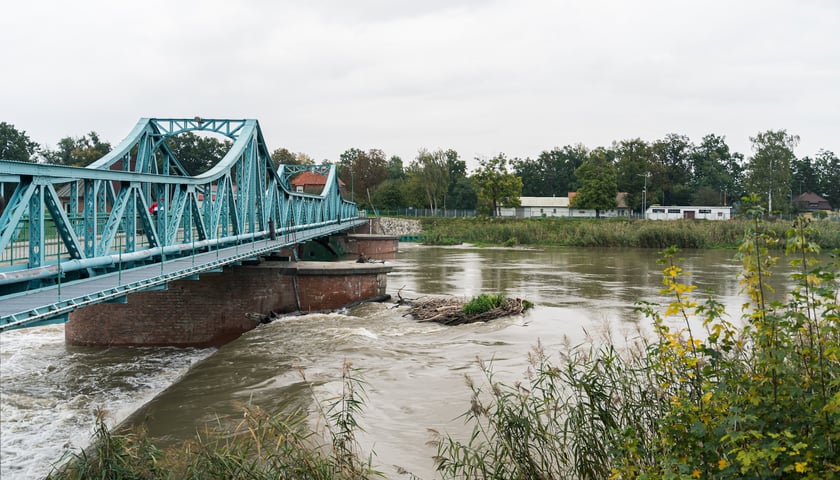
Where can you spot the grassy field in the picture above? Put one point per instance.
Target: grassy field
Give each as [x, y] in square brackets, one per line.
[608, 232]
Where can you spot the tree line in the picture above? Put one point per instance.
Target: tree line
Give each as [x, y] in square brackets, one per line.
[669, 171]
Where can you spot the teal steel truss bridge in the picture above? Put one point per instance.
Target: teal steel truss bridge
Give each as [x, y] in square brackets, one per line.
[135, 220]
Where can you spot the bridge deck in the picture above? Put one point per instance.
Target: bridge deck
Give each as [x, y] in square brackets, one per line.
[52, 304]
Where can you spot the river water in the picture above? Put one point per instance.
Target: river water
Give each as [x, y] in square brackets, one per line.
[414, 371]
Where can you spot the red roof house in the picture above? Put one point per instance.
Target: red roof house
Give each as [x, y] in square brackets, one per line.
[311, 182]
[811, 202]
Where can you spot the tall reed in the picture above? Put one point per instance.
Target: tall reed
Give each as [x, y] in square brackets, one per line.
[607, 232]
[259, 446]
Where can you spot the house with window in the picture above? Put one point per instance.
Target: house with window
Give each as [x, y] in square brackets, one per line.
[538, 207]
[530, 207]
[311, 182]
[811, 202]
[621, 209]
[657, 212]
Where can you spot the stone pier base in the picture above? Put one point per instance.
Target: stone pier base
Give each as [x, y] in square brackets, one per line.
[372, 246]
[219, 307]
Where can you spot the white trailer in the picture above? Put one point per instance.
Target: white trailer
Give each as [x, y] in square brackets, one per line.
[690, 213]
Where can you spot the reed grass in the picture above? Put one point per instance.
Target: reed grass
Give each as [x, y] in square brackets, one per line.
[611, 232]
[259, 446]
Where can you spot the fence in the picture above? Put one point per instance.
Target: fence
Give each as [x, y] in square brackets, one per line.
[425, 212]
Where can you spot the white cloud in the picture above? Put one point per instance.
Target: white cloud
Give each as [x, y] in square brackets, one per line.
[481, 77]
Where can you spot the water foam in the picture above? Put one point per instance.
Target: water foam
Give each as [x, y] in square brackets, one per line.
[51, 393]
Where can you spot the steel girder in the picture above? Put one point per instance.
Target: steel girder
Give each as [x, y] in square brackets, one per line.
[93, 220]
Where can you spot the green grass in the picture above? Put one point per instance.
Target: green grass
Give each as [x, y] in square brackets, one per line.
[484, 303]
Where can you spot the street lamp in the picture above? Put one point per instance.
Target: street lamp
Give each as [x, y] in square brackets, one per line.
[644, 194]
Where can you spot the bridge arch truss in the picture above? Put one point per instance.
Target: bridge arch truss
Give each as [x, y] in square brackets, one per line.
[67, 223]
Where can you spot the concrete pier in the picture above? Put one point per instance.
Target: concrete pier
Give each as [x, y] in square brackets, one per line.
[219, 307]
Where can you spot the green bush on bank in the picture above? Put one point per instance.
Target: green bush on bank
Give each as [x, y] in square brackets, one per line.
[612, 232]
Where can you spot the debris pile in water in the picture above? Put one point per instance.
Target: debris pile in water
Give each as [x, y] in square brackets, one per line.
[452, 311]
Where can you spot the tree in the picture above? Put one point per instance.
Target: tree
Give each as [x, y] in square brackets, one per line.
[634, 166]
[195, 153]
[460, 193]
[304, 159]
[282, 156]
[78, 152]
[552, 173]
[363, 171]
[431, 172]
[389, 194]
[715, 169]
[827, 167]
[495, 186]
[16, 145]
[598, 187]
[674, 173]
[768, 171]
[534, 183]
[803, 176]
[395, 168]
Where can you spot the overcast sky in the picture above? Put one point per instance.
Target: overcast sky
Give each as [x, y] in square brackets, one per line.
[481, 77]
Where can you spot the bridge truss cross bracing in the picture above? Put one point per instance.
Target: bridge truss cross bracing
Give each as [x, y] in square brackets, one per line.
[62, 225]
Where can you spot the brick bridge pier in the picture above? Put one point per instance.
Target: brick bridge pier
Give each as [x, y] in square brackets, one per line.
[220, 306]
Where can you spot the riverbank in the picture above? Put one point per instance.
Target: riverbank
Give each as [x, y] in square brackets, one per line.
[633, 233]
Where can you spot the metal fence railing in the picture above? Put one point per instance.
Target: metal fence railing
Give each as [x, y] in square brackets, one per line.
[424, 212]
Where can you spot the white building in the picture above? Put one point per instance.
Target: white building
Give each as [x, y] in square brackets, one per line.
[538, 207]
[691, 213]
[530, 207]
